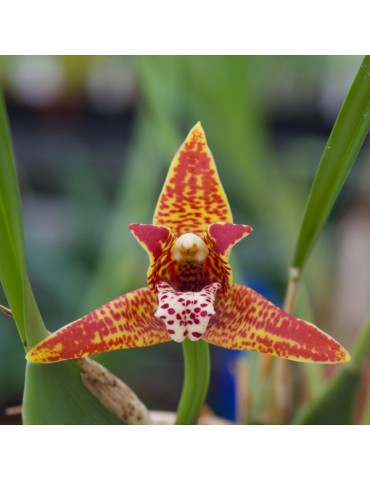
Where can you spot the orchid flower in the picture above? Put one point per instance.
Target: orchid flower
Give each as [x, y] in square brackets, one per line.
[190, 296]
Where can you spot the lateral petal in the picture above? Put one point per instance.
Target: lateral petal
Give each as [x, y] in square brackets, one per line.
[126, 322]
[245, 320]
[152, 237]
[192, 196]
[219, 239]
[225, 235]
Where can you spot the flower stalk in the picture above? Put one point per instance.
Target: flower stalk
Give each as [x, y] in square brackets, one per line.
[196, 381]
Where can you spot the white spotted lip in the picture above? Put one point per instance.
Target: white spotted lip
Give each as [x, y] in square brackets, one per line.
[186, 314]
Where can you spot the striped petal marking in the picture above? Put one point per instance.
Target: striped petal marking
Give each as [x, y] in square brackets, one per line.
[125, 322]
[245, 320]
[186, 314]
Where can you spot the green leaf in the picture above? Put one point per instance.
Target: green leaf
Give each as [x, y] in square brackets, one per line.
[13, 274]
[336, 403]
[54, 395]
[11, 236]
[348, 134]
[361, 348]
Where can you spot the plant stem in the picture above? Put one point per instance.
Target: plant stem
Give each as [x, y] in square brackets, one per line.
[285, 382]
[291, 294]
[196, 381]
[6, 310]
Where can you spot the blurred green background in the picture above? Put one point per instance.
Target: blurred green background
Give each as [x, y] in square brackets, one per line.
[93, 138]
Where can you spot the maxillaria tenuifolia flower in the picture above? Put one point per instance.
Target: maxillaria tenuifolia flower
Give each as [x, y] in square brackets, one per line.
[190, 294]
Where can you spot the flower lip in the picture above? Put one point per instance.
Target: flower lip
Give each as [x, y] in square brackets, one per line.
[186, 314]
[189, 247]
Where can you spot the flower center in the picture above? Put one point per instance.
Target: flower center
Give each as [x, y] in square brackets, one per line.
[186, 314]
[190, 252]
[189, 248]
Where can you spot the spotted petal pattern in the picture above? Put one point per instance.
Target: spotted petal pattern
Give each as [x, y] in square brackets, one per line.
[245, 320]
[192, 197]
[186, 314]
[126, 322]
[190, 298]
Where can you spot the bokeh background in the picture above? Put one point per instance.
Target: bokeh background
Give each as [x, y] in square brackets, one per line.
[93, 137]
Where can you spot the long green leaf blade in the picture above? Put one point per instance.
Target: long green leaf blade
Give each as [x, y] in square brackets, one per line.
[348, 134]
[13, 273]
[11, 237]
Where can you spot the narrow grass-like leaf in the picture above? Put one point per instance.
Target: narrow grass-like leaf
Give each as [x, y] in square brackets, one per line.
[13, 272]
[11, 239]
[348, 134]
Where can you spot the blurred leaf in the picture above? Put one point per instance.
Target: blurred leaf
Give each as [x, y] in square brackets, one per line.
[361, 348]
[163, 100]
[365, 417]
[336, 403]
[349, 132]
[123, 264]
[54, 395]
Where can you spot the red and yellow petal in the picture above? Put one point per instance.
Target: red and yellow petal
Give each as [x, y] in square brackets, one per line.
[192, 196]
[125, 322]
[153, 238]
[157, 241]
[245, 320]
[220, 238]
[224, 236]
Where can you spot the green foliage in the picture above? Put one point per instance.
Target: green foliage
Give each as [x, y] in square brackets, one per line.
[349, 132]
[336, 403]
[12, 265]
[53, 393]
[175, 92]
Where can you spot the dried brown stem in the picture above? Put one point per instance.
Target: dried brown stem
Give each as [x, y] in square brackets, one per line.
[16, 410]
[6, 310]
[114, 394]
